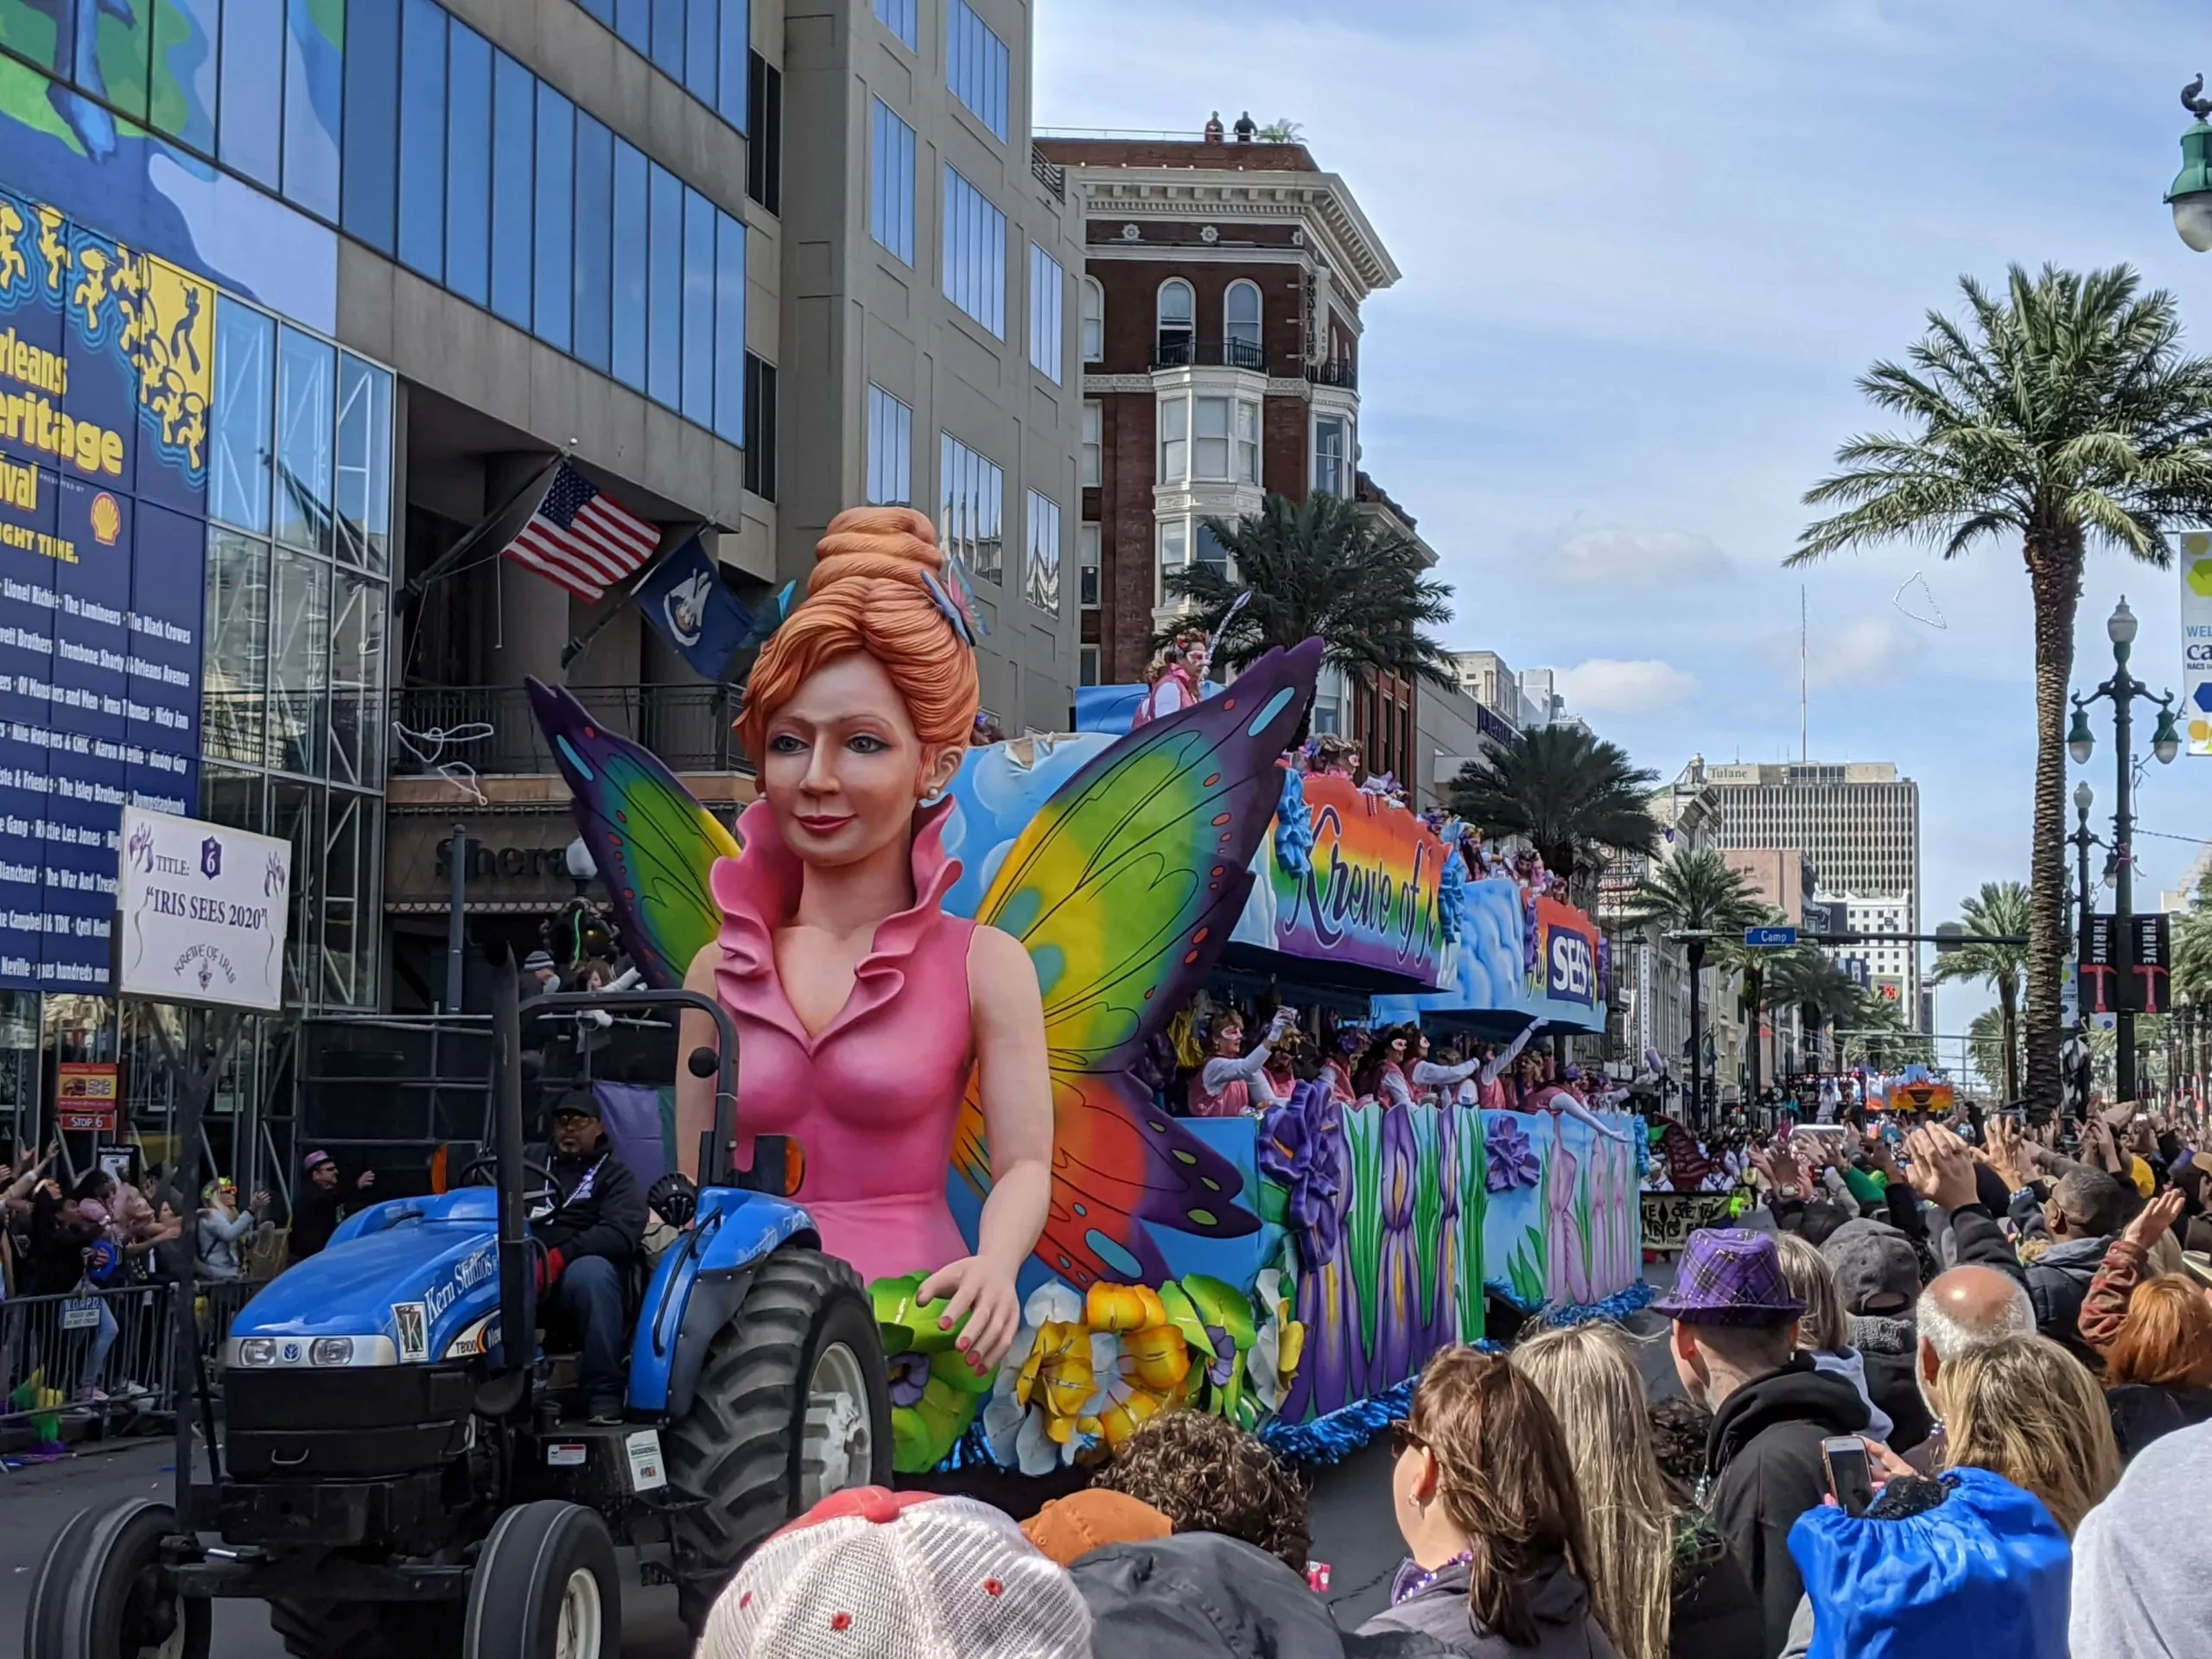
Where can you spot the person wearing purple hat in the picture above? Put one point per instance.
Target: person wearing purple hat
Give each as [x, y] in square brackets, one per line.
[1735, 1326]
[317, 1203]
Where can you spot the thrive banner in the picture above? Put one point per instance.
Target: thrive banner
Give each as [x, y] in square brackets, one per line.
[2196, 563]
[1669, 1218]
[1367, 896]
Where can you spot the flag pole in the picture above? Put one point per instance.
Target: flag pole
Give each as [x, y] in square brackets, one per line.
[579, 643]
[411, 592]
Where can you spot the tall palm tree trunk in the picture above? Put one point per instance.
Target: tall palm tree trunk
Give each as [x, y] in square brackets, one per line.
[2054, 576]
[1697, 1030]
[2008, 1004]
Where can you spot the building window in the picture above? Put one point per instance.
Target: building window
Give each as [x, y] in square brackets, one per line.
[1331, 455]
[1177, 324]
[1086, 564]
[423, 139]
[249, 129]
[1094, 321]
[976, 66]
[468, 166]
[734, 380]
[891, 188]
[1211, 424]
[667, 50]
[890, 450]
[695, 397]
[1174, 551]
[764, 156]
[305, 405]
[1086, 666]
[1044, 553]
[902, 18]
[1094, 414]
[759, 427]
[514, 99]
[1174, 440]
[1240, 327]
[1047, 285]
[632, 249]
[242, 451]
[1248, 442]
[972, 491]
[664, 287]
[554, 309]
[370, 162]
[1211, 552]
[975, 252]
[594, 277]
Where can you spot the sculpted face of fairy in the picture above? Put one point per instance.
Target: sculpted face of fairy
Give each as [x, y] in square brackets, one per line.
[844, 765]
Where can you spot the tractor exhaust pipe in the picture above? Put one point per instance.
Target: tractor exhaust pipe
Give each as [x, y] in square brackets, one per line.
[517, 1270]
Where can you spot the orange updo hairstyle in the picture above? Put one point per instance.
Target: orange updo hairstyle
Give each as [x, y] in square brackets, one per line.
[867, 594]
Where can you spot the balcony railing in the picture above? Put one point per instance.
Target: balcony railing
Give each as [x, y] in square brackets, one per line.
[1340, 371]
[491, 730]
[1183, 352]
[1050, 173]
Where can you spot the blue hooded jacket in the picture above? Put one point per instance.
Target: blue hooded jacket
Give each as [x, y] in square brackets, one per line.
[1987, 1571]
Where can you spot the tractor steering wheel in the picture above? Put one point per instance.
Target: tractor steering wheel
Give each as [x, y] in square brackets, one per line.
[541, 1198]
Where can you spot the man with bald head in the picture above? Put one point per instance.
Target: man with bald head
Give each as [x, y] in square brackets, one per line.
[1961, 1310]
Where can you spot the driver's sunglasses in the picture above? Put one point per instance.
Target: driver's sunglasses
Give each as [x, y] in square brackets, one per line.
[1403, 1440]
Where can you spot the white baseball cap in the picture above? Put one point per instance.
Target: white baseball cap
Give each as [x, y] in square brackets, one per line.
[873, 1574]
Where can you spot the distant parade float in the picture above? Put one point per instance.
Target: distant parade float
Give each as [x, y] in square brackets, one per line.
[1292, 1271]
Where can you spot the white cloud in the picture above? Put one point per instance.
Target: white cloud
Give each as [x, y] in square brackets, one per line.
[1868, 652]
[1613, 557]
[1605, 685]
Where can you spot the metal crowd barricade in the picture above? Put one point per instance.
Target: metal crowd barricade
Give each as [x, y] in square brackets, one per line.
[50, 1344]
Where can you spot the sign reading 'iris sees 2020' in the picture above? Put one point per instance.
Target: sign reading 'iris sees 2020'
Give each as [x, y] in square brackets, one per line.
[201, 910]
[106, 374]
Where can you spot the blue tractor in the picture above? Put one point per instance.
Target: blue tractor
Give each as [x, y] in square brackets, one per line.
[399, 1473]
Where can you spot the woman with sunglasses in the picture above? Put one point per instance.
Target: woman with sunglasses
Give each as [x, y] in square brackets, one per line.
[1486, 1503]
[222, 1228]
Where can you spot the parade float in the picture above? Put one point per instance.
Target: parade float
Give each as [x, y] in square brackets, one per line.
[1290, 1273]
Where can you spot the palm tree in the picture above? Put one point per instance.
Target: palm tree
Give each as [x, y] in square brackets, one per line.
[1994, 1049]
[1750, 965]
[1320, 568]
[1825, 996]
[2000, 910]
[2063, 412]
[1575, 798]
[1884, 1037]
[1696, 894]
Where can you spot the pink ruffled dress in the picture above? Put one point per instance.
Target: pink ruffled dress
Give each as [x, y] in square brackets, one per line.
[873, 1096]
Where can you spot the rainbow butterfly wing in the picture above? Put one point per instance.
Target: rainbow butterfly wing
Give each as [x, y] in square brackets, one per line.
[1123, 889]
[654, 843]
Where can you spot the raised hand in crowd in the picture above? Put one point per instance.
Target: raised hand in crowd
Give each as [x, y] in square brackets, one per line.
[1781, 1171]
[2011, 1153]
[1942, 1169]
[2152, 1221]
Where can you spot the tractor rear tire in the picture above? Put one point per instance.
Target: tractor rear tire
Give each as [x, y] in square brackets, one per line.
[50, 1589]
[546, 1586]
[366, 1630]
[743, 1446]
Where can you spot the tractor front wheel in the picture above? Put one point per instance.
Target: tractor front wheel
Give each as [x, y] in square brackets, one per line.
[102, 1593]
[546, 1586]
[793, 1403]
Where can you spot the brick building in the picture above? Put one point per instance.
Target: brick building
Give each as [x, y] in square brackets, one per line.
[1219, 329]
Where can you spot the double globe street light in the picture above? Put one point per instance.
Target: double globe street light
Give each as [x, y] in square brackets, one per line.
[2121, 691]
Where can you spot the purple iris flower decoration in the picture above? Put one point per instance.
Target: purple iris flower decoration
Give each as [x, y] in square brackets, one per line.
[1511, 1155]
[1223, 1366]
[1302, 1151]
[910, 1376]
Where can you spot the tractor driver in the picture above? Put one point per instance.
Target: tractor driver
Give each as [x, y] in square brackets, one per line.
[591, 1238]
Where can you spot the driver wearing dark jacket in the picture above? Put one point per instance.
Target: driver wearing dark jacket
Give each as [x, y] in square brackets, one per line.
[590, 1239]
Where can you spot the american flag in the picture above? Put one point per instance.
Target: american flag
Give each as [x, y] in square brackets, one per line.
[580, 539]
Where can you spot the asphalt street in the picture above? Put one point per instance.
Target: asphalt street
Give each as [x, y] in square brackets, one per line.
[1353, 1531]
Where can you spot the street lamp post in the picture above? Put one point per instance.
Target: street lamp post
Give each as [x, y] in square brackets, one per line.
[2122, 690]
[2190, 194]
[1695, 939]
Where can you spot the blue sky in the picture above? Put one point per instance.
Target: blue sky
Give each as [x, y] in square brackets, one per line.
[1647, 246]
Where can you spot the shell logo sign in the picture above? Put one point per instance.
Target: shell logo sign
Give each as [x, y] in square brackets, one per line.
[107, 519]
